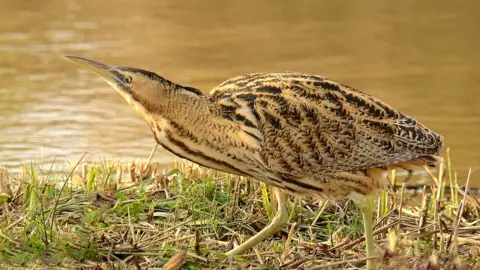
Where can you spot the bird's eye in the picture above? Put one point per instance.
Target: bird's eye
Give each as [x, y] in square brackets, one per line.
[127, 79]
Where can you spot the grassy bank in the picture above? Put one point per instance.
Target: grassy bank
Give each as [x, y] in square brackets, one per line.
[136, 216]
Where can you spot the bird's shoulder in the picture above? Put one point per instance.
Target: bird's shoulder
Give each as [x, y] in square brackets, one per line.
[262, 83]
[303, 92]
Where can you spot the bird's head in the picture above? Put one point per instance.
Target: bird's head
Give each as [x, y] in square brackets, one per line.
[144, 90]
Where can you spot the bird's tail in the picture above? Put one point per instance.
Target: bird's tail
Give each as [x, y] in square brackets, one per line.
[418, 163]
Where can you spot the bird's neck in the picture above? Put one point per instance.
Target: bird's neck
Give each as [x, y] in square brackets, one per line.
[181, 108]
[191, 126]
[188, 110]
[188, 125]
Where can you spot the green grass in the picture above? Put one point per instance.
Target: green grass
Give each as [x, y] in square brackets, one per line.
[137, 216]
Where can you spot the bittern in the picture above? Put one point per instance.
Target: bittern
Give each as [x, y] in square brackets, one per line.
[302, 134]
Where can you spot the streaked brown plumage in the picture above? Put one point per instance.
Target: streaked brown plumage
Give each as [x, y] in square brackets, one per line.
[301, 133]
[316, 135]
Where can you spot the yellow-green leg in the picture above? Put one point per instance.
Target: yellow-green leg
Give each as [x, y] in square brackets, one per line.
[276, 225]
[366, 207]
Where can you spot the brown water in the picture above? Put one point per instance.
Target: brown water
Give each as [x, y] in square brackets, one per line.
[422, 58]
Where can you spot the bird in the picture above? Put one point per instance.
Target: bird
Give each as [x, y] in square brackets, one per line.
[302, 134]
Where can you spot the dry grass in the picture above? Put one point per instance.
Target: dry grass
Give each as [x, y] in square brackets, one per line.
[137, 216]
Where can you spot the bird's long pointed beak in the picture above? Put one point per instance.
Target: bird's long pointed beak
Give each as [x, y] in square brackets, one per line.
[106, 72]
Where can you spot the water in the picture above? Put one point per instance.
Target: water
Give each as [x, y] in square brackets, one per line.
[421, 58]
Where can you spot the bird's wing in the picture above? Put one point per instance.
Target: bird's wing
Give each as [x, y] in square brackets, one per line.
[306, 121]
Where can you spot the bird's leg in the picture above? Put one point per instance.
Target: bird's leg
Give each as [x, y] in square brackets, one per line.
[366, 207]
[276, 225]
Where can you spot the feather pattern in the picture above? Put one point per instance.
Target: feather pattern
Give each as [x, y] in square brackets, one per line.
[311, 129]
[303, 133]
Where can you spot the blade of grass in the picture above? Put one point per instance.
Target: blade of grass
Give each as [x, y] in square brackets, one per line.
[266, 201]
[60, 194]
[450, 179]
[456, 224]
